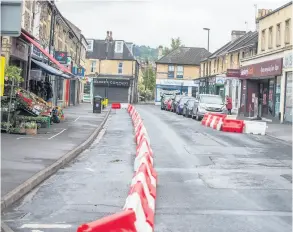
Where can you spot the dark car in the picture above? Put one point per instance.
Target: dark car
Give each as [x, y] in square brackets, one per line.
[180, 105]
[164, 100]
[188, 107]
[208, 103]
[175, 103]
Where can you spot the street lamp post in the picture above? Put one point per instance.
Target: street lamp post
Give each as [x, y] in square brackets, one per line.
[208, 29]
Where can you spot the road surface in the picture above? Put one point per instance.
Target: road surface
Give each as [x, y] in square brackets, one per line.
[208, 181]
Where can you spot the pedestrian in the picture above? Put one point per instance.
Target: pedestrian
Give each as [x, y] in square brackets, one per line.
[229, 104]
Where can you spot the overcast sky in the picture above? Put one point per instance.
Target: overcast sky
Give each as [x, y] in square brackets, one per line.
[155, 22]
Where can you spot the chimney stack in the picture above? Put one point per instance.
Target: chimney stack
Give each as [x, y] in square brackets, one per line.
[111, 38]
[237, 34]
[160, 52]
[107, 37]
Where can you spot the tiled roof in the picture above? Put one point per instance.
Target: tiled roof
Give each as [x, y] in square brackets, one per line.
[249, 39]
[185, 55]
[99, 51]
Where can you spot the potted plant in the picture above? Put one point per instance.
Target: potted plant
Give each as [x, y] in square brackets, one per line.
[31, 128]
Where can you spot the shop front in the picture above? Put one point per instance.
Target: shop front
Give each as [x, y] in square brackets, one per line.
[116, 90]
[288, 86]
[261, 88]
[183, 87]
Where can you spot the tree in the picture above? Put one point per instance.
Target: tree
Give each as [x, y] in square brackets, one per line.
[175, 43]
[149, 78]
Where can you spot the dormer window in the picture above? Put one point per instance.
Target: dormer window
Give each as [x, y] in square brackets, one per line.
[119, 47]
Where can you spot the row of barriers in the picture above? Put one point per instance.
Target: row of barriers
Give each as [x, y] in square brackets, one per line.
[139, 210]
[228, 123]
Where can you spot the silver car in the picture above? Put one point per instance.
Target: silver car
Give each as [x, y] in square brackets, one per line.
[208, 103]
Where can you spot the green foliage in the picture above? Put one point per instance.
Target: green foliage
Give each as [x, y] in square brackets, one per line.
[145, 53]
[149, 78]
[31, 125]
[175, 43]
[13, 73]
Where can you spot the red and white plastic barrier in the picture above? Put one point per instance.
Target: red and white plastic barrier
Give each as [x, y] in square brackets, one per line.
[224, 123]
[139, 210]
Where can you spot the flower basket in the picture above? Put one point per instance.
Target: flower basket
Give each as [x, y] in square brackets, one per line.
[31, 128]
[31, 131]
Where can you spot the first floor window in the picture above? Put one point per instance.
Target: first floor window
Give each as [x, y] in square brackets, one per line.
[120, 67]
[171, 71]
[179, 71]
[93, 66]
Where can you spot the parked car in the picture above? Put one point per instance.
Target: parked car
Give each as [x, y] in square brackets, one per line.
[169, 104]
[205, 103]
[180, 105]
[175, 102]
[164, 100]
[188, 107]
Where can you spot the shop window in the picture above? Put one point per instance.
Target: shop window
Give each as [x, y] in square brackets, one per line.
[120, 67]
[171, 71]
[60, 89]
[179, 72]
[288, 98]
[287, 31]
[93, 66]
[270, 38]
[278, 35]
[263, 40]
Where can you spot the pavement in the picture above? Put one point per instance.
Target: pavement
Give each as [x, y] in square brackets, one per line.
[276, 130]
[24, 156]
[96, 184]
[208, 180]
[280, 131]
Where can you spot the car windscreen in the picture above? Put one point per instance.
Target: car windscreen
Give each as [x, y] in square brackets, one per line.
[211, 100]
[184, 100]
[178, 97]
[190, 103]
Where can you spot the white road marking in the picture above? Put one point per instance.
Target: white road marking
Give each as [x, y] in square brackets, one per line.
[90, 169]
[37, 231]
[46, 226]
[76, 118]
[57, 134]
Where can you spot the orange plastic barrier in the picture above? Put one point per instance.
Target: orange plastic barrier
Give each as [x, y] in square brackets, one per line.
[119, 222]
[233, 125]
[204, 119]
[116, 105]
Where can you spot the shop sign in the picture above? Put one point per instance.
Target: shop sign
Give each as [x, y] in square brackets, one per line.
[111, 82]
[263, 69]
[61, 57]
[19, 49]
[78, 71]
[175, 82]
[288, 61]
[233, 73]
[220, 80]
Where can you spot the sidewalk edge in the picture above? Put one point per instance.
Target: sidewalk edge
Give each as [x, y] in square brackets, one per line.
[281, 140]
[42, 175]
[5, 227]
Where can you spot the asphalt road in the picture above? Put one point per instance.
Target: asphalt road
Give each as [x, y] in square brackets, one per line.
[208, 181]
[211, 181]
[94, 185]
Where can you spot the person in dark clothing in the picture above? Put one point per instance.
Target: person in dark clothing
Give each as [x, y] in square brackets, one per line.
[229, 104]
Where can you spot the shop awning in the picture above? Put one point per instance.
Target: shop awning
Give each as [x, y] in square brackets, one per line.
[48, 68]
[51, 58]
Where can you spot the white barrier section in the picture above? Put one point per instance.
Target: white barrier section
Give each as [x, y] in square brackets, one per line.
[256, 128]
